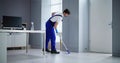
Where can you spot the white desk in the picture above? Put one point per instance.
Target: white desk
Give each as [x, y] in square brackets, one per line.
[27, 38]
[22, 31]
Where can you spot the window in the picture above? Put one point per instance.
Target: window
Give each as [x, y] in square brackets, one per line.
[56, 6]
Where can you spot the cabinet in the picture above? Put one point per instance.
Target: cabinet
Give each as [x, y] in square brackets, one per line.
[16, 39]
[10, 40]
[19, 39]
[3, 45]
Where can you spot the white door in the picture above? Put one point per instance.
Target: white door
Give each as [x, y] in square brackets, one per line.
[100, 26]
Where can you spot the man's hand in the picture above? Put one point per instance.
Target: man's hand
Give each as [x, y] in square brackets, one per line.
[56, 30]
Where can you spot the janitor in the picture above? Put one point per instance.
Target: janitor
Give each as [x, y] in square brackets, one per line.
[51, 26]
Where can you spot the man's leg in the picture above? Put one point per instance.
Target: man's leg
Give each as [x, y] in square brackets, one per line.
[47, 39]
[53, 43]
[53, 39]
[47, 36]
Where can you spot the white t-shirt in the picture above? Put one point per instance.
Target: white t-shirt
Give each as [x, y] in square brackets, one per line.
[57, 18]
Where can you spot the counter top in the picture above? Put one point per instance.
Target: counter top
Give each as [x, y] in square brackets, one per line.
[22, 31]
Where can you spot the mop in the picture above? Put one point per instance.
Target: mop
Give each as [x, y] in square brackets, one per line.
[62, 43]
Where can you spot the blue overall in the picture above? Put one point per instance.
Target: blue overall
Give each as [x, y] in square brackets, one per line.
[50, 33]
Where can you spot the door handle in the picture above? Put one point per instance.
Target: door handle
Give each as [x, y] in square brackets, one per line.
[110, 24]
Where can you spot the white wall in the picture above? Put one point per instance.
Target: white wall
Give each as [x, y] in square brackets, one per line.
[83, 25]
[45, 12]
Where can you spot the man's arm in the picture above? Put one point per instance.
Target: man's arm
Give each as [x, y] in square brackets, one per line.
[56, 24]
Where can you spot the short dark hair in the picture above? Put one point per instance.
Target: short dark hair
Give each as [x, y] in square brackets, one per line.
[66, 11]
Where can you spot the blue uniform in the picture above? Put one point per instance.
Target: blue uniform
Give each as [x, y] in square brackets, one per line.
[50, 33]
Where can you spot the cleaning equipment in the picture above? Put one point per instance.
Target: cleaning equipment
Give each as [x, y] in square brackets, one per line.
[32, 25]
[61, 42]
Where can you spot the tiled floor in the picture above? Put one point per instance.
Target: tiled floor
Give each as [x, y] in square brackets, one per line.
[35, 56]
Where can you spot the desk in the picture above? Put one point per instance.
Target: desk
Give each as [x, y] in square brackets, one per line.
[27, 37]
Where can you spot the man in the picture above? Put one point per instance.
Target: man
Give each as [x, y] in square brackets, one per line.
[51, 26]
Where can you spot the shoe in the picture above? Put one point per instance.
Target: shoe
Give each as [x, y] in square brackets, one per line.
[54, 52]
[47, 50]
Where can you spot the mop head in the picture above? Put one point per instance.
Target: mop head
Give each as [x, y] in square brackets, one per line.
[68, 51]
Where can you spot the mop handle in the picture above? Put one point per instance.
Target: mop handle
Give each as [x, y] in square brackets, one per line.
[60, 35]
